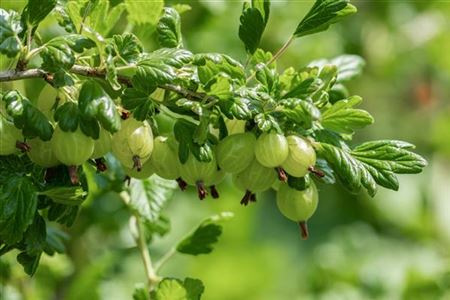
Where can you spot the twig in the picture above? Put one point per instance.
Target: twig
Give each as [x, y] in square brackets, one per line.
[161, 262]
[13, 75]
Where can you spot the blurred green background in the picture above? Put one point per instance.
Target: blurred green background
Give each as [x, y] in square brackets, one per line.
[395, 246]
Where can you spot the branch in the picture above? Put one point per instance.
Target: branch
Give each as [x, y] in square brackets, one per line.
[13, 75]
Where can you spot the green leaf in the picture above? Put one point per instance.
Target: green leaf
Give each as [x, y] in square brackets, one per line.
[342, 117]
[10, 28]
[64, 20]
[18, 203]
[67, 116]
[348, 66]
[29, 262]
[141, 293]
[27, 117]
[194, 288]
[102, 17]
[63, 214]
[58, 53]
[209, 65]
[301, 112]
[322, 15]
[126, 46]
[160, 66]
[55, 240]
[266, 122]
[171, 289]
[372, 163]
[144, 12]
[35, 237]
[148, 198]
[185, 132]
[37, 10]
[94, 102]
[169, 29]
[174, 289]
[66, 195]
[253, 19]
[202, 239]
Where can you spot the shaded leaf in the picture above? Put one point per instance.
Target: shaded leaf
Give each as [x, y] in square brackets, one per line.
[202, 239]
[18, 203]
[253, 20]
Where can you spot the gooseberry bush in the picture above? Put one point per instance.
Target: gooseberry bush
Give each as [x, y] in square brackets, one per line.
[150, 121]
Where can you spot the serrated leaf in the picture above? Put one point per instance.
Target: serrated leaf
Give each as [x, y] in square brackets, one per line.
[37, 10]
[27, 117]
[55, 239]
[185, 132]
[175, 289]
[159, 67]
[65, 195]
[101, 17]
[58, 53]
[169, 29]
[266, 122]
[253, 20]
[194, 288]
[211, 64]
[125, 46]
[148, 198]
[170, 289]
[322, 14]
[202, 239]
[67, 116]
[342, 117]
[35, 237]
[372, 163]
[18, 203]
[301, 112]
[29, 262]
[10, 28]
[141, 293]
[94, 102]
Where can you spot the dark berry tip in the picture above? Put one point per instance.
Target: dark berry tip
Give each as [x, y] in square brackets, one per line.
[247, 198]
[214, 192]
[181, 184]
[282, 176]
[202, 192]
[100, 164]
[73, 174]
[319, 173]
[127, 179]
[137, 163]
[22, 146]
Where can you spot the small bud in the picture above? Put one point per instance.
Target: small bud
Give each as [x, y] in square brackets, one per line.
[214, 192]
[181, 184]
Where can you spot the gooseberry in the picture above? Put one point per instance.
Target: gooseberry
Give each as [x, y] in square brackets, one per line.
[254, 179]
[301, 157]
[102, 145]
[72, 149]
[196, 173]
[9, 136]
[146, 171]
[236, 152]
[133, 143]
[164, 158]
[298, 206]
[271, 149]
[41, 153]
